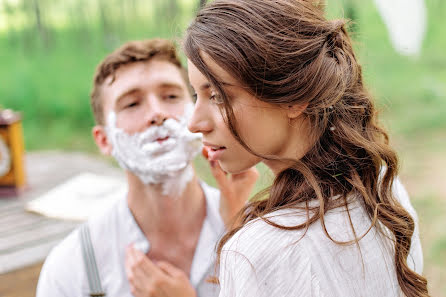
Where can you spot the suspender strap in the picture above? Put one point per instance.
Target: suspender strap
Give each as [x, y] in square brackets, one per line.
[94, 281]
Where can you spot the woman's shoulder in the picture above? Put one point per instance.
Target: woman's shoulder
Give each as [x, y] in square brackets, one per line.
[261, 236]
[263, 260]
[266, 229]
[308, 255]
[277, 232]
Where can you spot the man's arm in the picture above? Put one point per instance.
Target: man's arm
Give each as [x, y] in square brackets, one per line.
[48, 284]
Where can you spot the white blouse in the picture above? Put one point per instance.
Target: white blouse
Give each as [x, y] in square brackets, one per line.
[261, 260]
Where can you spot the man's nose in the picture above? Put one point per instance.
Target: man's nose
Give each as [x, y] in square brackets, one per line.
[156, 114]
[157, 119]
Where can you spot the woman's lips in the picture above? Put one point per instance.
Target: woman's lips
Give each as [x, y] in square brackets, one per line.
[214, 153]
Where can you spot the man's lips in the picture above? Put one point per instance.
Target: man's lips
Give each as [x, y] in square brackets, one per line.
[161, 140]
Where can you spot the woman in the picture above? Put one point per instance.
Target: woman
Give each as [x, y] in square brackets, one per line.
[278, 83]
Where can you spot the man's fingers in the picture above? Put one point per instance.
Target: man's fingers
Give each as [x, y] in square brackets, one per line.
[145, 263]
[169, 269]
[139, 262]
[135, 275]
[128, 262]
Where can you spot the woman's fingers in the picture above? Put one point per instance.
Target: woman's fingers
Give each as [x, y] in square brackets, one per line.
[235, 189]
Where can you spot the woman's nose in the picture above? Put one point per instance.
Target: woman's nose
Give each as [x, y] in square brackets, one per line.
[200, 122]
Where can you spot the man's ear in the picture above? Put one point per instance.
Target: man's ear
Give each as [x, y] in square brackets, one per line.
[101, 139]
[295, 110]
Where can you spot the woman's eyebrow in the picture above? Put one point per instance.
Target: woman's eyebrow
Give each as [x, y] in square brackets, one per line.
[208, 85]
[205, 86]
[225, 84]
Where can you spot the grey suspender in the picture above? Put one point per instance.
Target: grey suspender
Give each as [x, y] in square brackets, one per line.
[94, 280]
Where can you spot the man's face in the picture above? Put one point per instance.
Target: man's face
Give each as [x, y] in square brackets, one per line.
[142, 95]
[145, 94]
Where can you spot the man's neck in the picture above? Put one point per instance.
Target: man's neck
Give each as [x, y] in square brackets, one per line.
[160, 216]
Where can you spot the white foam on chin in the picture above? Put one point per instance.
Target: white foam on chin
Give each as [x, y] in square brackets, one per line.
[167, 162]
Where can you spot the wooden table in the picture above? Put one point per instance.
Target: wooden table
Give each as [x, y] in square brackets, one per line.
[27, 238]
[21, 282]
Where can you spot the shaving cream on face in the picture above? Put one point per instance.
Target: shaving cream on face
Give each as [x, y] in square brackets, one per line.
[166, 162]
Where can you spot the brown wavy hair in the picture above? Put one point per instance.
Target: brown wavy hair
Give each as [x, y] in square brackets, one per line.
[287, 52]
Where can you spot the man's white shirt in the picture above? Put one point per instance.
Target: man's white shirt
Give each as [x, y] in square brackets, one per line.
[64, 274]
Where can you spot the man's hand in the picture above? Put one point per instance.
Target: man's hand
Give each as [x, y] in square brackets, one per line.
[235, 189]
[148, 279]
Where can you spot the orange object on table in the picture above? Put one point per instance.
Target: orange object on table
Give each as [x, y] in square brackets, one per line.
[12, 150]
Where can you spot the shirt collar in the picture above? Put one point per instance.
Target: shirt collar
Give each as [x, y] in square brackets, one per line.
[211, 231]
[133, 234]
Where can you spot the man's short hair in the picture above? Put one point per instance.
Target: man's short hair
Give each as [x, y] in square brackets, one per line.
[130, 52]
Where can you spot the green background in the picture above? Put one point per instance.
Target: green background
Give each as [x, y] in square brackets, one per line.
[49, 50]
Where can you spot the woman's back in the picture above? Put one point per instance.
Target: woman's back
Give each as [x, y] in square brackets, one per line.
[273, 262]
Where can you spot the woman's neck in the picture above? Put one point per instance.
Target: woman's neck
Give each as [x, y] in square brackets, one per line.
[301, 141]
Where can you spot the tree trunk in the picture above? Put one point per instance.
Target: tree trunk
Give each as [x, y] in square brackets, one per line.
[39, 23]
[9, 11]
[106, 24]
[202, 3]
[172, 9]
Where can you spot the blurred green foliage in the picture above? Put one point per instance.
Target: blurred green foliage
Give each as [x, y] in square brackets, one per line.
[412, 92]
[47, 73]
[48, 60]
[49, 50]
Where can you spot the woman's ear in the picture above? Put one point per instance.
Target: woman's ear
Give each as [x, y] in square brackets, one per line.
[101, 139]
[295, 110]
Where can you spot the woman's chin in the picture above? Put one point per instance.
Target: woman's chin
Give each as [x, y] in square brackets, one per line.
[237, 166]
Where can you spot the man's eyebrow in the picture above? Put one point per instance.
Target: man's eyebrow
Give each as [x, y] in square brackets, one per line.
[126, 93]
[135, 90]
[167, 85]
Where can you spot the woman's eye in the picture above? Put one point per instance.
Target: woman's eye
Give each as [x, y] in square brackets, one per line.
[194, 97]
[216, 98]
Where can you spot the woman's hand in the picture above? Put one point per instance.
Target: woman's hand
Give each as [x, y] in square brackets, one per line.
[148, 279]
[235, 189]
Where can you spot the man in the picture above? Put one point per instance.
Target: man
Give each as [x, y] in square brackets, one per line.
[160, 239]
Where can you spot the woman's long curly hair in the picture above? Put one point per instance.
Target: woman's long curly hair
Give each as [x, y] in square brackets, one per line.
[286, 52]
